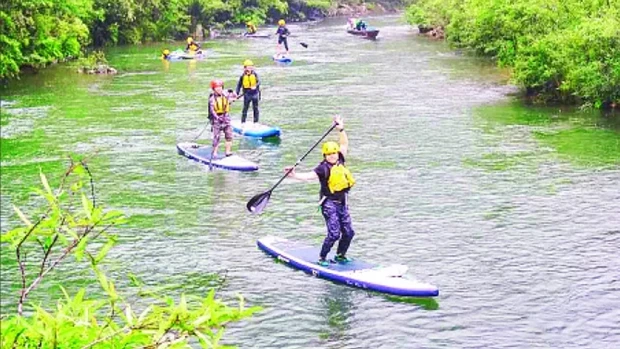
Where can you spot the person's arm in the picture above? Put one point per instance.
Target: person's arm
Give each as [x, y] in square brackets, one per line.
[212, 107]
[304, 176]
[239, 84]
[343, 140]
[257, 81]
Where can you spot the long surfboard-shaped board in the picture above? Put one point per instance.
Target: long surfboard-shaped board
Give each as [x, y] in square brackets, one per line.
[256, 130]
[282, 59]
[388, 279]
[202, 154]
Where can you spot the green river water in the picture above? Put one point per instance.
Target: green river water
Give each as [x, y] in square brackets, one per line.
[512, 211]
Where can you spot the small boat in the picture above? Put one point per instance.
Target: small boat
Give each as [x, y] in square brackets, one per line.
[369, 33]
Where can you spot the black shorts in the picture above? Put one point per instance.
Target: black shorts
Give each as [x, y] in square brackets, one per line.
[281, 39]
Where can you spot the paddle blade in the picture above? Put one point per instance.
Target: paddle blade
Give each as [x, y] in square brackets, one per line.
[257, 204]
[304, 44]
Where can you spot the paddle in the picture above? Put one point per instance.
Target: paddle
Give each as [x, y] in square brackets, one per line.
[257, 204]
[200, 134]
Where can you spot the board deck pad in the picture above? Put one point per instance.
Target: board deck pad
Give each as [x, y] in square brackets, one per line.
[202, 154]
[357, 273]
[311, 255]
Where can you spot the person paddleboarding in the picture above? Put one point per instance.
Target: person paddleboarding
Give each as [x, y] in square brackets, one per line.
[282, 34]
[219, 115]
[250, 83]
[250, 29]
[336, 181]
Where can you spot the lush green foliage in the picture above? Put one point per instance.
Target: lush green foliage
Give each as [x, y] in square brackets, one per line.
[35, 33]
[72, 224]
[567, 50]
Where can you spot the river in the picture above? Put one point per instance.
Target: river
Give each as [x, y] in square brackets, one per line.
[513, 211]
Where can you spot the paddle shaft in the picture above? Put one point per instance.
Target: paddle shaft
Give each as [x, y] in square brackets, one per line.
[303, 157]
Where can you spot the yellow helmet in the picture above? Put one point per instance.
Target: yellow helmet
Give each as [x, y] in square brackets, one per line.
[248, 23]
[166, 52]
[189, 40]
[330, 148]
[248, 63]
[281, 22]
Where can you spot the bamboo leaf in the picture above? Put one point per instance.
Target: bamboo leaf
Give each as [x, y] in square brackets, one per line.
[145, 313]
[135, 281]
[79, 250]
[22, 216]
[112, 291]
[87, 205]
[46, 185]
[105, 249]
[129, 315]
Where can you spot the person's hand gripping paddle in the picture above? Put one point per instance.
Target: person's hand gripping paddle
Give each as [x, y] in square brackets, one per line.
[257, 204]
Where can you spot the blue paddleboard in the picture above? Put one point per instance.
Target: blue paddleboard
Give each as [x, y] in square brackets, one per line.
[388, 279]
[202, 154]
[281, 59]
[257, 130]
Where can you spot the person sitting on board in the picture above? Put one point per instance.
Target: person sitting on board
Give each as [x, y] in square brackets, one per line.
[336, 181]
[250, 28]
[165, 54]
[360, 25]
[219, 109]
[282, 33]
[251, 91]
[192, 46]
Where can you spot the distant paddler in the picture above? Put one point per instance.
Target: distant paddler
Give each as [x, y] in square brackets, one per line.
[251, 29]
[165, 54]
[192, 46]
[283, 34]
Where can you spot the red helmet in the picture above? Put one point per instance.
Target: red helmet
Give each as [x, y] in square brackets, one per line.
[217, 83]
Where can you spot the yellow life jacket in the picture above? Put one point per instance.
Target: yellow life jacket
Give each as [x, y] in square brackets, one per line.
[249, 81]
[193, 47]
[221, 105]
[252, 29]
[340, 178]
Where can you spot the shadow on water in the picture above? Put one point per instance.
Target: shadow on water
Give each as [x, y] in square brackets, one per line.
[253, 143]
[424, 303]
[338, 305]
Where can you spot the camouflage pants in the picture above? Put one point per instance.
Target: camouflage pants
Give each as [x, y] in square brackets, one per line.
[218, 127]
[339, 227]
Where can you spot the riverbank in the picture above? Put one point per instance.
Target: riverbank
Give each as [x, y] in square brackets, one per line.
[558, 54]
[38, 34]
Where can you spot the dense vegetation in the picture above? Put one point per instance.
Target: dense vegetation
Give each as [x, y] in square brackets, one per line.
[72, 224]
[559, 50]
[35, 33]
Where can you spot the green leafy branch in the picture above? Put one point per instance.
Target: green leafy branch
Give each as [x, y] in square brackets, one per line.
[69, 225]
